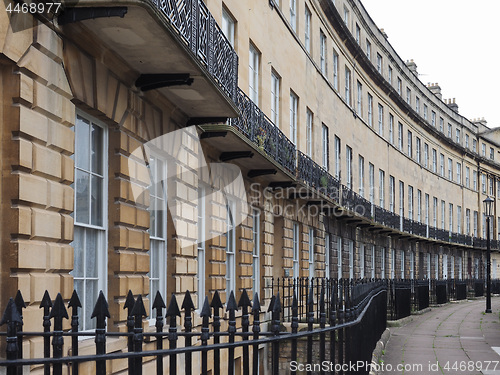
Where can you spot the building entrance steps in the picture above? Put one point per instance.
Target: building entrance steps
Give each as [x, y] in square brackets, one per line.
[457, 338]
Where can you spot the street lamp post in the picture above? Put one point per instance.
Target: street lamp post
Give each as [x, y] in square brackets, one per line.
[488, 205]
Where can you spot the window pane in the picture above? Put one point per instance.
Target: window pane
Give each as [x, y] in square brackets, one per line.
[82, 197]
[96, 200]
[79, 245]
[96, 152]
[82, 143]
[159, 217]
[91, 294]
[91, 253]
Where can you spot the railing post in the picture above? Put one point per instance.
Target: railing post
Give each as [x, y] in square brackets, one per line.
[205, 334]
[216, 304]
[100, 312]
[322, 323]
[129, 305]
[46, 304]
[172, 313]
[159, 305]
[276, 331]
[58, 312]
[19, 301]
[188, 306]
[231, 307]
[295, 327]
[12, 318]
[245, 303]
[256, 331]
[333, 319]
[310, 321]
[74, 303]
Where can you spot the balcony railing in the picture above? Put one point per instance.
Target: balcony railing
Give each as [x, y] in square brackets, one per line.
[197, 27]
[317, 177]
[356, 202]
[254, 124]
[263, 133]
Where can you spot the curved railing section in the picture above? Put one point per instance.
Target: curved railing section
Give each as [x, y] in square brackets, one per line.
[197, 27]
[255, 125]
[267, 137]
[314, 176]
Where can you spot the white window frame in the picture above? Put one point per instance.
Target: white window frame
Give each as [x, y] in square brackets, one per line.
[253, 73]
[339, 257]
[361, 170]
[202, 217]
[327, 255]
[322, 52]
[296, 250]
[335, 70]
[391, 129]
[293, 15]
[101, 231]
[360, 99]
[311, 252]
[362, 250]
[337, 157]
[370, 110]
[348, 86]
[350, 246]
[294, 105]
[381, 190]
[307, 32]
[228, 26]
[309, 124]
[157, 240]
[348, 161]
[230, 247]
[275, 98]
[325, 145]
[380, 120]
[256, 251]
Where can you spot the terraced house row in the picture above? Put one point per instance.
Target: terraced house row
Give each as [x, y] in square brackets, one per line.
[220, 145]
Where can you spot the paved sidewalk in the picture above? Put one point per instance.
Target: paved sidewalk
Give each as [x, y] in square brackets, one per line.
[458, 338]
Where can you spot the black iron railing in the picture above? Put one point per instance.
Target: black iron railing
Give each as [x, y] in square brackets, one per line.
[355, 202]
[347, 306]
[405, 296]
[263, 133]
[197, 27]
[317, 177]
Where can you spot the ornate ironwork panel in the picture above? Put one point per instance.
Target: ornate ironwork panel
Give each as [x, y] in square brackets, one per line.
[317, 177]
[203, 18]
[179, 14]
[196, 25]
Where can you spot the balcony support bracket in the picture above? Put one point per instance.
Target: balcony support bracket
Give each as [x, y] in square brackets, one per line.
[227, 156]
[260, 172]
[207, 135]
[147, 82]
[70, 15]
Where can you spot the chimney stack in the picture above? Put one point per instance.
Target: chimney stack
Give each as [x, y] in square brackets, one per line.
[479, 122]
[452, 105]
[384, 33]
[435, 89]
[412, 66]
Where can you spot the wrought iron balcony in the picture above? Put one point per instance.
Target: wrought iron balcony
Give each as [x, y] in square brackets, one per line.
[387, 218]
[175, 47]
[255, 125]
[356, 202]
[197, 27]
[317, 177]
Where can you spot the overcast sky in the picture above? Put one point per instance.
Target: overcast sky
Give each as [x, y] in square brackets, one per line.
[453, 43]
